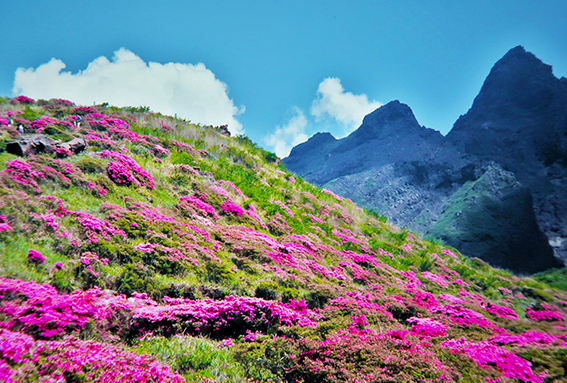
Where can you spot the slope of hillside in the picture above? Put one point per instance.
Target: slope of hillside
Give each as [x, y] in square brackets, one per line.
[410, 173]
[139, 247]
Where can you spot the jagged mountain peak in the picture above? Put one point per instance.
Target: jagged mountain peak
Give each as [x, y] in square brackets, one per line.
[518, 58]
[519, 80]
[315, 142]
[322, 138]
[391, 113]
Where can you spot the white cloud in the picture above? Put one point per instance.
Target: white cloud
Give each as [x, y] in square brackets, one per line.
[190, 91]
[346, 108]
[286, 137]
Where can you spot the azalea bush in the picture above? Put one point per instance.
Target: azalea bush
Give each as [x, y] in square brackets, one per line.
[74, 360]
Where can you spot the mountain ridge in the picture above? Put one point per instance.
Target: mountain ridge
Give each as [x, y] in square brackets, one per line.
[518, 120]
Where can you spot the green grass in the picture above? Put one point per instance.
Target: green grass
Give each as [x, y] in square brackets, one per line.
[556, 278]
[194, 358]
[14, 264]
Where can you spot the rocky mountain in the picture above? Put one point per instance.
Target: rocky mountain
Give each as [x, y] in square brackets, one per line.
[516, 127]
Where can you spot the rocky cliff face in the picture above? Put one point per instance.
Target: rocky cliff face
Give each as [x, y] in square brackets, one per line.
[517, 126]
[494, 216]
[519, 120]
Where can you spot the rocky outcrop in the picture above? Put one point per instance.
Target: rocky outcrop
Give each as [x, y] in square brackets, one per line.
[416, 177]
[519, 120]
[37, 144]
[494, 216]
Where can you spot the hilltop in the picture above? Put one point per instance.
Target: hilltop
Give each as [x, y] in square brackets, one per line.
[140, 247]
[492, 188]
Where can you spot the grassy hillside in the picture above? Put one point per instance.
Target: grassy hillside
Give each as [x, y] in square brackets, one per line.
[167, 251]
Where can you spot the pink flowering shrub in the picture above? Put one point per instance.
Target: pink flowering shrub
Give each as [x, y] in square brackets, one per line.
[315, 219]
[160, 151]
[83, 110]
[465, 317]
[442, 280]
[38, 125]
[183, 147]
[501, 311]
[35, 257]
[348, 237]
[166, 128]
[226, 318]
[450, 298]
[284, 207]
[449, 253]
[232, 208]
[88, 269]
[95, 228]
[22, 100]
[165, 259]
[40, 311]
[251, 212]
[15, 347]
[57, 102]
[220, 191]
[100, 190]
[544, 315]
[23, 173]
[234, 187]
[331, 194]
[427, 327]
[393, 356]
[486, 354]
[4, 224]
[123, 170]
[197, 205]
[76, 360]
[528, 338]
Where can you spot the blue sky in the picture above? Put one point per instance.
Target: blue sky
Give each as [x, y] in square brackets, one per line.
[278, 71]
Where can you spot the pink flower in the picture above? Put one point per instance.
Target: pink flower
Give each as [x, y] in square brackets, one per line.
[58, 266]
[544, 315]
[35, 257]
[232, 208]
[22, 100]
[124, 170]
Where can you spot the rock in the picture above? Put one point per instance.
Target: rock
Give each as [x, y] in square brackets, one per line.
[76, 145]
[494, 216]
[27, 145]
[223, 129]
[36, 144]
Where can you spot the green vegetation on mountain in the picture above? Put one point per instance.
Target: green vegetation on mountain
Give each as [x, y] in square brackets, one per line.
[174, 251]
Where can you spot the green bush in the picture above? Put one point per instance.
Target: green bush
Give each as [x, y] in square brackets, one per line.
[137, 277]
[90, 165]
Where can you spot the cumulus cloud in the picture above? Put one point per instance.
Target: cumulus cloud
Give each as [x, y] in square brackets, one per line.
[285, 137]
[346, 108]
[190, 91]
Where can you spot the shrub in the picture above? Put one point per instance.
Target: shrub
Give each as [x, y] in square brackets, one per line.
[72, 360]
[35, 257]
[90, 165]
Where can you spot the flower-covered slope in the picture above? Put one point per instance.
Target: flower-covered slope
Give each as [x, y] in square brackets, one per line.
[178, 253]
